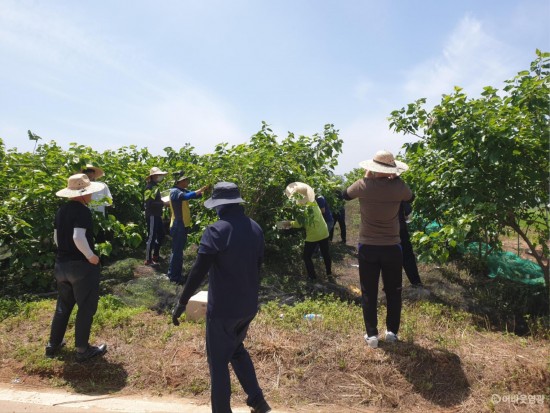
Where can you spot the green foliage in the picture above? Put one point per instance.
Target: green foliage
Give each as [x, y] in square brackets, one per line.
[262, 168]
[480, 166]
[336, 315]
[9, 307]
[113, 312]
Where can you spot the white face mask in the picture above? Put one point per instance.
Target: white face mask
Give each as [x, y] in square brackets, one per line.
[158, 178]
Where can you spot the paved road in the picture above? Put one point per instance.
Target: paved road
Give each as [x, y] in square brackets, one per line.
[16, 400]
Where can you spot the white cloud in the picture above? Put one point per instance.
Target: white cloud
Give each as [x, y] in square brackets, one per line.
[363, 89]
[195, 118]
[471, 59]
[364, 137]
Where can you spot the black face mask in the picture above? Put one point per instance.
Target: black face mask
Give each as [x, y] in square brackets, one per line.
[219, 209]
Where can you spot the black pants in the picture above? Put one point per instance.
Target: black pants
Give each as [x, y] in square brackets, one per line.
[340, 218]
[309, 248]
[224, 345]
[77, 283]
[155, 237]
[409, 259]
[373, 260]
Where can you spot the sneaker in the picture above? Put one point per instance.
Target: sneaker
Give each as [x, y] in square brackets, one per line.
[51, 351]
[391, 337]
[262, 407]
[91, 351]
[151, 263]
[372, 341]
[417, 285]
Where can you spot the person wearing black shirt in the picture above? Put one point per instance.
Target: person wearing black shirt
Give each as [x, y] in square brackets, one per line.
[153, 216]
[77, 269]
[231, 250]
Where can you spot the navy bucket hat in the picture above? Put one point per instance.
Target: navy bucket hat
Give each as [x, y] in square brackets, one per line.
[224, 193]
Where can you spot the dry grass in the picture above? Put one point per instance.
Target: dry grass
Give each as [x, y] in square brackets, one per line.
[450, 360]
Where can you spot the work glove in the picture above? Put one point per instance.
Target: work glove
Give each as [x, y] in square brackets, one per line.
[178, 310]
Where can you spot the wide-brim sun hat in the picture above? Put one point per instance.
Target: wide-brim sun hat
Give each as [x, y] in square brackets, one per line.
[302, 193]
[98, 172]
[182, 177]
[384, 162]
[224, 193]
[156, 171]
[78, 185]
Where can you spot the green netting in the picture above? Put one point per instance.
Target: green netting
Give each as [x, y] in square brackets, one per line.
[510, 266]
[500, 263]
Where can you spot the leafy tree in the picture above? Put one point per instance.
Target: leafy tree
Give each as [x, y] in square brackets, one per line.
[262, 168]
[480, 166]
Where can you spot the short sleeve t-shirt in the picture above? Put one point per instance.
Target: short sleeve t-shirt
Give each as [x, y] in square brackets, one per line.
[379, 201]
[69, 216]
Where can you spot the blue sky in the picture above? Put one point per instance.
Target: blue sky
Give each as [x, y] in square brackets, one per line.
[111, 73]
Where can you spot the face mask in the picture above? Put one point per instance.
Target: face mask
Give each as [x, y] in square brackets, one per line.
[218, 209]
[158, 178]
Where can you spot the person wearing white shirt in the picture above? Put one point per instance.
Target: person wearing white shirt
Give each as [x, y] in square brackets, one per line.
[99, 201]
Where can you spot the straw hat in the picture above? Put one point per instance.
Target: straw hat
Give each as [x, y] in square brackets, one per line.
[302, 193]
[98, 172]
[78, 185]
[224, 193]
[384, 162]
[156, 171]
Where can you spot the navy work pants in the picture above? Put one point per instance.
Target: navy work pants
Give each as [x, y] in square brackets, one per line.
[155, 236]
[224, 345]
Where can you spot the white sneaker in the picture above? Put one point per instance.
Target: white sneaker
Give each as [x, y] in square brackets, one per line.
[372, 341]
[391, 337]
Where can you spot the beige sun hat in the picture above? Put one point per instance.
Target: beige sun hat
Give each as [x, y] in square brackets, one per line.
[97, 170]
[384, 162]
[78, 185]
[156, 171]
[302, 193]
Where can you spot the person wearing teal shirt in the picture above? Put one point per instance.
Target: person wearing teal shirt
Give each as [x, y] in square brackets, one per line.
[315, 226]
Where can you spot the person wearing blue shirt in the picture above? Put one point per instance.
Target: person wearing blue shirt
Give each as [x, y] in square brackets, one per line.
[180, 223]
[231, 251]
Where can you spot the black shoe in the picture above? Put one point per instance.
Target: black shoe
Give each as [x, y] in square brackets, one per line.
[51, 351]
[261, 407]
[91, 351]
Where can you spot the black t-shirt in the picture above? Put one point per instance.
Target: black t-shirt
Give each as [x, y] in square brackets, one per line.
[69, 216]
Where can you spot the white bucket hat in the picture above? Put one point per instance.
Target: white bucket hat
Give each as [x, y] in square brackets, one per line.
[302, 193]
[384, 162]
[78, 185]
[156, 171]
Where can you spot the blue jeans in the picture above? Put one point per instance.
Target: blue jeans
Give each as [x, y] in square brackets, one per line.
[224, 345]
[77, 283]
[178, 232]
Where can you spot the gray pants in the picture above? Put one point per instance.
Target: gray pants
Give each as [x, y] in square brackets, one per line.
[77, 283]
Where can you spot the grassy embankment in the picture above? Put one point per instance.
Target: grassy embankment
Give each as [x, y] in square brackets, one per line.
[451, 358]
